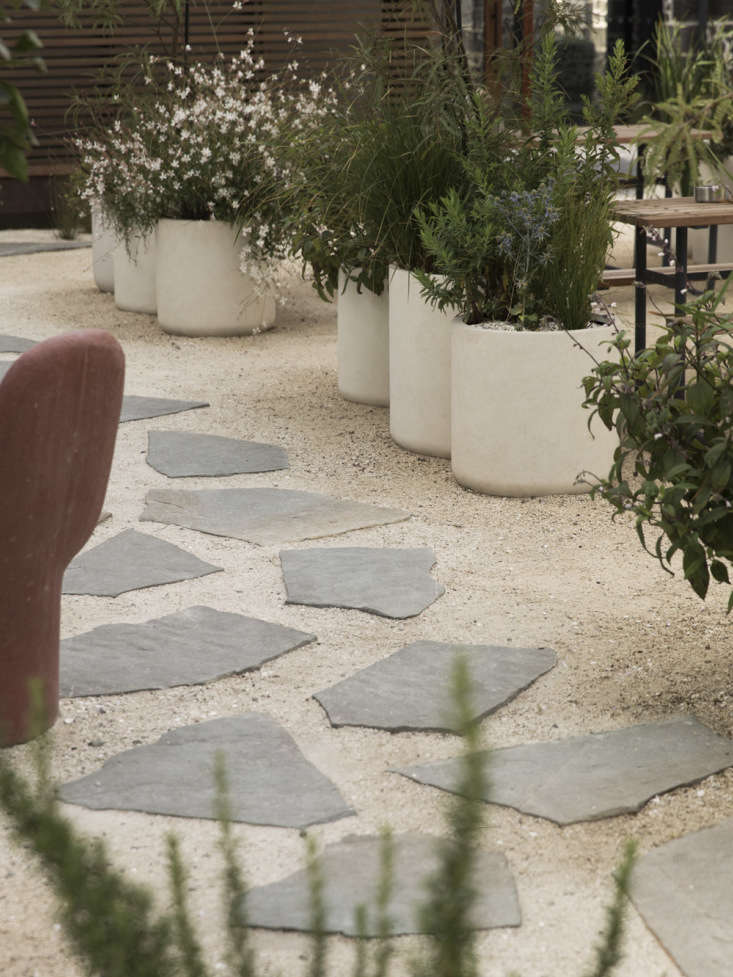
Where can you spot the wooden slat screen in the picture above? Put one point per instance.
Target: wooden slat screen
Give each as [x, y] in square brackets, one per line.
[74, 56]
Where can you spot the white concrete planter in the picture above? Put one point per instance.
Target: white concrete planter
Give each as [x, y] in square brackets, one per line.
[419, 376]
[697, 240]
[200, 289]
[362, 320]
[134, 275]
[103, 244]
[518, 427]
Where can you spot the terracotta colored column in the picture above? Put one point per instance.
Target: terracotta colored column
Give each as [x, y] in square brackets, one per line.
[59, 410]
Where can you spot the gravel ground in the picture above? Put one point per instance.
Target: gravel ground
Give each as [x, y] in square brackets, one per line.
[633, 643]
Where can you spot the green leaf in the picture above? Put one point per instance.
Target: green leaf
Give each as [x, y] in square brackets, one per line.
[720, 571]
[695, 566]
[700, 396]
[713, 454]
[720, 476]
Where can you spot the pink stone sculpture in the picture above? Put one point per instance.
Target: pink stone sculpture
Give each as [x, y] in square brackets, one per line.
[59, 410]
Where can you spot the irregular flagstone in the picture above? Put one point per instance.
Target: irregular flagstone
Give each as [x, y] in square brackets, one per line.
[269, 780]
[8, 248]
[136, 408]
[351, 871]
[263, 515]
[131, 561]
[192, 646]
[684, 891]
[15, 344]
[388, 582]
[411, 689]
[598, 776]
[179, 454]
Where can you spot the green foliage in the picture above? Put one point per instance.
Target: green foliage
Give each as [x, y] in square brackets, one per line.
[115, 929]
[526, 240]
[387, 146]
[16, 134]
[673, 465]
[694, 90]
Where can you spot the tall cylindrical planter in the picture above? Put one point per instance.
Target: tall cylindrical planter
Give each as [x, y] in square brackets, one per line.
[517, 421]
[698, 238]
[134, 274]
[419, 379]
[200, 288]
[103, 245]
[362, 320]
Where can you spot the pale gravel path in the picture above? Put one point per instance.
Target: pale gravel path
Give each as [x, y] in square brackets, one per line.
[633, 644]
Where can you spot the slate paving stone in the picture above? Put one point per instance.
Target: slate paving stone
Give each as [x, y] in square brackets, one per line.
[189, 647]
[15, 344]
[131, 561]
[411, 690]
[598, 776]
[180, 454]
[684, 891]
[351, 870]
[9, 248]
[270, 781]
[387, 582]
[136, 408]
[263, 515]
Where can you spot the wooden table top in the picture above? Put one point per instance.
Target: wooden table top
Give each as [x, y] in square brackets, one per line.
[672, 212]
[630, 133]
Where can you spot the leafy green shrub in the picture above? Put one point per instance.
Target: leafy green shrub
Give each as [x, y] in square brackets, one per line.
[115, 930]
[527, 240]
[674, 462]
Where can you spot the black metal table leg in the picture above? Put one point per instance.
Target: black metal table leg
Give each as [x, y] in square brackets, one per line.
[640, 289]
[680, 270]
[712, 252]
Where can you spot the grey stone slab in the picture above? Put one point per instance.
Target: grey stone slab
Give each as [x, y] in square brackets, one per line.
[131, 561]
[684, 891]
[411, 690]
[388, 582]
[598, 776]
[136, 408]
[270, 781]
[15, 344]
[263, 515]
[189, 647]
[179, 454]
[351, 878]
[9, 248]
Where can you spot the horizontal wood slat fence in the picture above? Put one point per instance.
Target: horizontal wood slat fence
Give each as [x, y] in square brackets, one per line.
[74, 57]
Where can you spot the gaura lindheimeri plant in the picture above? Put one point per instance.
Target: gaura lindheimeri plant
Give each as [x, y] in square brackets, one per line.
[201, 142]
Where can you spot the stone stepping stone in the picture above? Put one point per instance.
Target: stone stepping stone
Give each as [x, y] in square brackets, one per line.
[270, 781]
[263, 515]
[179, 454]
[387, 582]
[15, 344]
[411, 690]
[351, 870]
[190, 647]
[136, 408]
[8, 248]
[684, 891]
[131, 561]
[598, 776]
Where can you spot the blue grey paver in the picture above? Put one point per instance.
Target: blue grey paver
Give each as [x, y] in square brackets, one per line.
[136, 408]
[269, 780]
[195, 645]
[181, 454]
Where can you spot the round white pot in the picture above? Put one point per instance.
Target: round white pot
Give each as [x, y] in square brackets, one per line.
[200, 289]
[134, 275]
[420, 375]
[103, 244]
[362, 320]
[518, 427]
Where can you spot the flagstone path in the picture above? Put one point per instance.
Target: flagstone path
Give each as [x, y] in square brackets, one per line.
[683, 889]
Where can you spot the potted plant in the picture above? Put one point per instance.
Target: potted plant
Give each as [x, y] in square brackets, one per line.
[520, 254]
